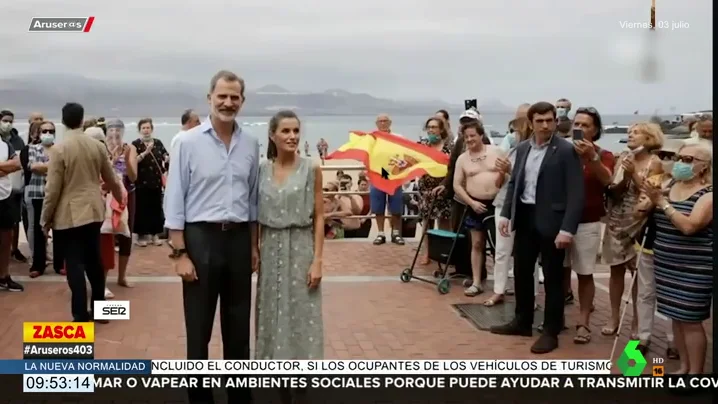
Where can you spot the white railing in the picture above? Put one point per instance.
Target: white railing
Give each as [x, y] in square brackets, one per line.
[359, 168]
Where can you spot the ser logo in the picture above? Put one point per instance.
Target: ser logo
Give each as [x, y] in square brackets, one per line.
[115, 310]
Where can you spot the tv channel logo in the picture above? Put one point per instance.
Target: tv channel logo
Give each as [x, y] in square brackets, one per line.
[631, 353]
[112, 310]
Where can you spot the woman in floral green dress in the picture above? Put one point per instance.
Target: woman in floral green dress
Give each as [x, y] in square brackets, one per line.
[291, 217]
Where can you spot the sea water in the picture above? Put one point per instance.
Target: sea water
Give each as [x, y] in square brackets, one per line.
[335, 129]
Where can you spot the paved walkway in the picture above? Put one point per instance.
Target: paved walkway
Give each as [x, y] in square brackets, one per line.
[368, 313]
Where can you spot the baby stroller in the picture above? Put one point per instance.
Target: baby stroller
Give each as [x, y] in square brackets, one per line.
[450, 249]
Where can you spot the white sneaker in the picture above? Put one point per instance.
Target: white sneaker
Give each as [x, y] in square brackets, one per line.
[156, 240]
[141, 241]
[109, 294]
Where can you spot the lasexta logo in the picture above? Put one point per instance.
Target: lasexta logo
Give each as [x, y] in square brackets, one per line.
[631, 353]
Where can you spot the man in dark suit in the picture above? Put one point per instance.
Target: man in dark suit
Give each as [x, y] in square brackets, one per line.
[544, 203]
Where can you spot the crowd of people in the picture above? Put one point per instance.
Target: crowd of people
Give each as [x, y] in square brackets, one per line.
[541, 199]
[550, 189]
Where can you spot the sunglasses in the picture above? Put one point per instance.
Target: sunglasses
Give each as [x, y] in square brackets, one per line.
[687, 159]
[48, 131]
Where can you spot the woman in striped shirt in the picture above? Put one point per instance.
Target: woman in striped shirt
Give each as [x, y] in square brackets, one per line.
[683, 252]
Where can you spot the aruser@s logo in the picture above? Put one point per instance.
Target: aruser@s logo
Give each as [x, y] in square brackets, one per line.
[630, 353]
[58, 332]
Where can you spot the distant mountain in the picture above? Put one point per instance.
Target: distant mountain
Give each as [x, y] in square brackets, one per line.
[47, 93]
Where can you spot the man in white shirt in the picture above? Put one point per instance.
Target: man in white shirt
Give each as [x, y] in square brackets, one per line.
[189, 120]
[9, 163]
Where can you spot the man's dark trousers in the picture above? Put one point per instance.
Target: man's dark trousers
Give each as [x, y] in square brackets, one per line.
[221, 255]
[81, 251]
[529, 243]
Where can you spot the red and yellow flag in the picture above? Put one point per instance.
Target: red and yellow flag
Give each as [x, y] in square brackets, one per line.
[392, 160]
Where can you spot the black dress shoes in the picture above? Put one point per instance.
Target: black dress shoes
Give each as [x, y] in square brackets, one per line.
[545, 344]
[512, 328]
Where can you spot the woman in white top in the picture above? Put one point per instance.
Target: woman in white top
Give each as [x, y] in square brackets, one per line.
[505, 245]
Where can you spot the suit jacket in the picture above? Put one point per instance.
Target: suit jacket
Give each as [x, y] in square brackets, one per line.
[559, 189]
[73, 197]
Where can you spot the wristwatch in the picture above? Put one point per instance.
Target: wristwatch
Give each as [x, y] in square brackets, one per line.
[177, 253]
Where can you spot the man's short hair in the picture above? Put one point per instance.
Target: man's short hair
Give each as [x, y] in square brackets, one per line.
[186, 116]
[6, 112]
[540, 108]
[73, 115]
[226, 75]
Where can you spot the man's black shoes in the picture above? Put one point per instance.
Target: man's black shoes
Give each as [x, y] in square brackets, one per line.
[512, 328]
[545, 344]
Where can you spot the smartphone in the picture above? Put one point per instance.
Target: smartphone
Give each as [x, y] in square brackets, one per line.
[577, 134]
[468, 104]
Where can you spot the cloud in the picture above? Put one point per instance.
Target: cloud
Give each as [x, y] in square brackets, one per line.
[513, 50]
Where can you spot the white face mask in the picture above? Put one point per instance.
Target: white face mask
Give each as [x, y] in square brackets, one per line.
[5, 126]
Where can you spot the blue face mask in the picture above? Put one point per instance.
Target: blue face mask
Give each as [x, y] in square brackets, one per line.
[561, 111]
[682, 171]
[433, 139]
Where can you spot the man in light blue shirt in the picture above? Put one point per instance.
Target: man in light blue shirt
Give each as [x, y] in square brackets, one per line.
[211, 214]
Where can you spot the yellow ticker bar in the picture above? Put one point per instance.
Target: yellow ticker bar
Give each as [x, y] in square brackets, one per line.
[58, 332]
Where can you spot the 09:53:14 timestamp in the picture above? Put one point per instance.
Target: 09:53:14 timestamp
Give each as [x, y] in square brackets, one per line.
[58, 383]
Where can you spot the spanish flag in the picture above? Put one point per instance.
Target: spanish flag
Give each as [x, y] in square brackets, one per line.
[392, 160]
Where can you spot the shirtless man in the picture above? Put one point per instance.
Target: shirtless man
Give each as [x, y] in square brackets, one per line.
[336, 210]
[476, 182]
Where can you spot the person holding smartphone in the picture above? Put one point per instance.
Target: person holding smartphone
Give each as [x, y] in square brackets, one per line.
[581, 255]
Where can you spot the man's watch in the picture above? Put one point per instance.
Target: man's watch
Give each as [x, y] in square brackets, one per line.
[177, 253]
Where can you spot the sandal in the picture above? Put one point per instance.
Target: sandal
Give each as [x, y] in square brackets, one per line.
[396, 239]
[494, 300]
[672, 353]
[582, 339]
[473, 290]
[379, 240]
[34, 274]
[609, 332]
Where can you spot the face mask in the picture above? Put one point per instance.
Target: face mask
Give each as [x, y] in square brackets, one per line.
[682, 171]
[561, 111]
[433, 139]
[5, 127]
[47, 139]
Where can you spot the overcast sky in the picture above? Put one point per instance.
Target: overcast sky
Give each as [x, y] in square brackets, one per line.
[511, 50]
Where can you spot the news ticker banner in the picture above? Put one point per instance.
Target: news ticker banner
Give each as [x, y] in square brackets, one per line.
[350, 386]
[305, 367]
[58, 340]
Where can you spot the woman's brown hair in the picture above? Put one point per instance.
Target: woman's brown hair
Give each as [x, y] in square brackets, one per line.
[443, 131]
[522, 129]
[88, 123]
[274, 125]
[33, 133]
[144, 121]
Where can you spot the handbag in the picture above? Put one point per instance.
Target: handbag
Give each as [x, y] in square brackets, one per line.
[163, 176]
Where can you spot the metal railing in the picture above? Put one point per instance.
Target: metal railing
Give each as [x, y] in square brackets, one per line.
[358, 168]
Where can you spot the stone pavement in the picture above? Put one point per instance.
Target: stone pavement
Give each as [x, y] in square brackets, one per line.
[368, 313]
